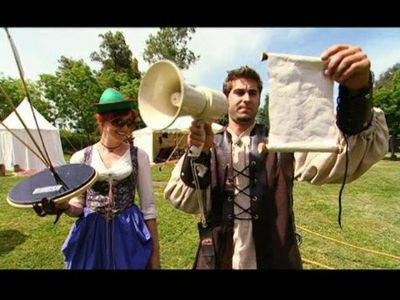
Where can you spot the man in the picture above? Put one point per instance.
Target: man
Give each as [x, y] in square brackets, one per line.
[249, 210]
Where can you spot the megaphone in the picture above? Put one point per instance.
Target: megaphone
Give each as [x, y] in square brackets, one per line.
[163, 97]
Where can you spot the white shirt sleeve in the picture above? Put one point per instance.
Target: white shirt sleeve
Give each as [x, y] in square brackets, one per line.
[365, 149]
[77, 157]
[145, 186]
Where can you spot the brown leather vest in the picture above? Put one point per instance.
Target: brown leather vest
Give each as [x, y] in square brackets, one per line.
[271, 184]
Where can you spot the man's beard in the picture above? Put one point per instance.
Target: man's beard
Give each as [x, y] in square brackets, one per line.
[244, 120]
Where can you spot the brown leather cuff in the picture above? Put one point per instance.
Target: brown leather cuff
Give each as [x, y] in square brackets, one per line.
[354, 109]
[203, 162]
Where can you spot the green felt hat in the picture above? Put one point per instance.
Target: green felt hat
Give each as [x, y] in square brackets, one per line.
[113, 100]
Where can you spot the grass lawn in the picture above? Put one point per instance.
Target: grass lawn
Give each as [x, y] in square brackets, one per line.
[370, 221]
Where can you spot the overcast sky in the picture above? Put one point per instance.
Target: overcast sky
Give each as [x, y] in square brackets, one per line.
[220, 49]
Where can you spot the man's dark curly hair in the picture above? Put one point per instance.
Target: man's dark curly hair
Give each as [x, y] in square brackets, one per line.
[242, 72]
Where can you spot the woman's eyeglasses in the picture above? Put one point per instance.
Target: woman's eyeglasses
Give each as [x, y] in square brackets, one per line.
[120, 122]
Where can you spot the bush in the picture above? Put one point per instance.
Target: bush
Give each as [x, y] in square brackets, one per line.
[73, 141]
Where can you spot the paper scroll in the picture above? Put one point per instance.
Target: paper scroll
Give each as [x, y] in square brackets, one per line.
[301, 109]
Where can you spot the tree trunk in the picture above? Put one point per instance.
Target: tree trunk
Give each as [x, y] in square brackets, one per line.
[392, 147]
[2, 170]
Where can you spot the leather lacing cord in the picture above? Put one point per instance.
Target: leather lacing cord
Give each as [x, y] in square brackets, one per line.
[241, 191]
[199, 193]
[230, 182]
[344, 181]
[344, 108]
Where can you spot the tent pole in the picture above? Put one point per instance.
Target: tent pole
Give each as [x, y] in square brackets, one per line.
[21, 74]
[25, 144]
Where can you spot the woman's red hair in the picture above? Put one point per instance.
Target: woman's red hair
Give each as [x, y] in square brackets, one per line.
[108, 116]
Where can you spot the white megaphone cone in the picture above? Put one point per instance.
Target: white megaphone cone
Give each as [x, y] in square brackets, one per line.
[163, 97]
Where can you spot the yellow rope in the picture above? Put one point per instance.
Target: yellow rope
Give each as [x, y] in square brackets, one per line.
[350, 245]
[316, 263]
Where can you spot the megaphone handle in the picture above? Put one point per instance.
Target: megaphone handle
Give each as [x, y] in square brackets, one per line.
[195, 151]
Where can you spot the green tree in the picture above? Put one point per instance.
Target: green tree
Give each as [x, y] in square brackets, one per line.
[387, 97]
[73, 91]
[110, 78]
[386, 77]
[119, 68]
[224, 120]
[262, 116]
[115, 55]
[171, 43]
[15, 91]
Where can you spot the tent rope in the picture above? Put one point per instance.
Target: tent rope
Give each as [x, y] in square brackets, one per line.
[350, 245]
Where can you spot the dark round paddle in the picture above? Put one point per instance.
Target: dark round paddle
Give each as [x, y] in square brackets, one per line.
[66, 182]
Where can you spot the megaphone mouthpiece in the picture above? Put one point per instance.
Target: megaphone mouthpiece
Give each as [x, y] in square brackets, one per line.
[163, 97]
[176, 99]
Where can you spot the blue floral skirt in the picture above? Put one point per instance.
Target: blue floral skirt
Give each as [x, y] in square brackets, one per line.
[121, 243]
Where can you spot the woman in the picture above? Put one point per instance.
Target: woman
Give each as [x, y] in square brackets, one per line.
[111, 231]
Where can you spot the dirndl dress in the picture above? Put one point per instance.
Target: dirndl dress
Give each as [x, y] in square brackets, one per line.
[109, 234]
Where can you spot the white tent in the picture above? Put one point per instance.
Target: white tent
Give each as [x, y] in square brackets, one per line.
[13, 152]
[154, 141]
